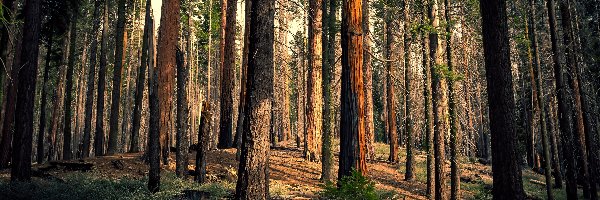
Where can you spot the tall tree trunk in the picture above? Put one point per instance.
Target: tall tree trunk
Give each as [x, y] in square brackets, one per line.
[27, 65]
[42, 123]
[455, 134]
[89, 94]
[408, 122]
[240, 123]
[167, 44]
[253, 171]
[505, 168]
[182, 117]
[327, 69]
[572, 67]
[154, 148]
[439, 93]
[390, 99]
[139, 90]
[537, 77]
[551, 128]
[312, 151]
[67, 135]
[99, 135]
[113, 135]
[228, 15]
[352, 124]
[368, 79]
[428, 110]
[203, 133]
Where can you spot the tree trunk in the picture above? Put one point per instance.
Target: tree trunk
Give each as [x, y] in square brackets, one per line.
[314, 114]
[439, 93]
[99, 135]
[368, 79]
[242, 102]
[537, 77]
[89, 94]
[154, 148]
[390, 99]
[67, 152]
[428, 111]
[27, 65]
[203, 133]
[167, 43]
[455, 134]
[42, 123]
[328, 66]
[506, 169]
[352, 124]
[182, 117]
[113, 135]
[228, 15]
[408, 123]
[139, 91]
[253, 172]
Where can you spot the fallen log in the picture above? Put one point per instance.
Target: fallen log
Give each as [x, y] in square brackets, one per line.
[73, 166]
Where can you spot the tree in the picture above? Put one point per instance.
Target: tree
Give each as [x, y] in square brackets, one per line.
[390, 100]
[154, 148]
[113, 135]
[99, 135]
[312, 150]
[368, 79]
[182, 117]
[352, 124]
[428, 109]
[139, 89]
[27, 63]
[167, 44]
[329, 32]
[67, 152]
[242, 102]
[439, 93]
[253, 175]
[454, 123]
[537, 76]
[228, 14]
[408, 123]
[203, 133]
[11, 91]
[42, 123]
[89, 94]
[506, 170]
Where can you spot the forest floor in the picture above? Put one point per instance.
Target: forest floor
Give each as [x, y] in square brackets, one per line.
[123, 176]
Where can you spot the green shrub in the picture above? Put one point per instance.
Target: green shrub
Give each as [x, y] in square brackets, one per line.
[351, 187]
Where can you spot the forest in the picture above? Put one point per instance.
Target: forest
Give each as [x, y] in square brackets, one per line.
[300, 99]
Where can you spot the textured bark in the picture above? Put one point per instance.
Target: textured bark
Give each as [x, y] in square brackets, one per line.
[228, 15]
[536, 74]
[368, 79]
[572, 67]
[8, 78]
[167, 43]
[99, 134]
[428, 112]
[408, 122]
[182, 145]
[327, 69]
[505, 168]
[113, 134]
[439, 93]
[455, 134]
[42, 123]
[556, 165]
[203, 133]
[352, 124]
[314, 114]
[67, 134]
[390, 98]
[139, 90]
[253, 171]
[242, 102]
[22, 143]
[154, 148]
[89, 94]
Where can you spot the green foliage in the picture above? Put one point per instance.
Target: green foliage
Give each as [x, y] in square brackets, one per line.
[442, 70]
[84, 186]
[351, 187]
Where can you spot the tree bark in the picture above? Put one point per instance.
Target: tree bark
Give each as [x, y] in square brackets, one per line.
[506, 169]
[352, 123]
[203, 133]
[408, 122]
[42, 123]
[113, 135]
[368, 79]
[314, 114]
[455, 134]
[253, 172]
[228, 15]
[99, 135]
[154, 148]
[390, 98]
[27, 65]
[428, 111]
[67, 135]
[167, 43]
[182, 117]
[328, 66]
